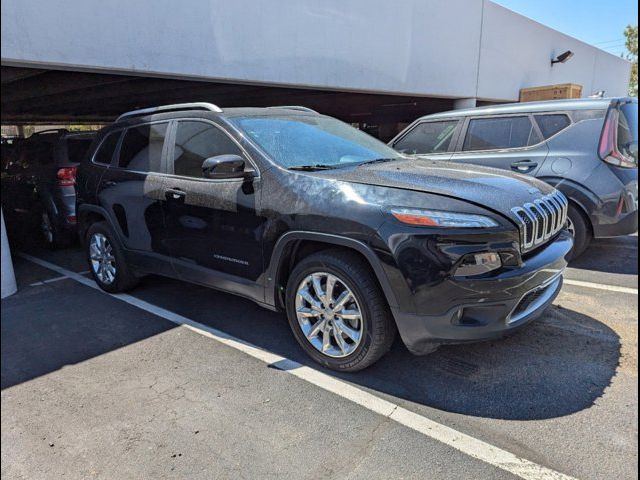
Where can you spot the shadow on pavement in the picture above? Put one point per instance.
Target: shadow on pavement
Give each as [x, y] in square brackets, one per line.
[610, 255]
[559, 365]
[45, 328]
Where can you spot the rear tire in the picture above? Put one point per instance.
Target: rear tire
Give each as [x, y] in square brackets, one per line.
[107, 262]
[579, 227]
[366, 316]
[51, 234]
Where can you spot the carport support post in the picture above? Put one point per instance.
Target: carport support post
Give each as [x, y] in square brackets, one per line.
[461, 103]
[8, 277]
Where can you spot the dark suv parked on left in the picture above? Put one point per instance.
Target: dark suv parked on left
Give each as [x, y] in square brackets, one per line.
[38, 184]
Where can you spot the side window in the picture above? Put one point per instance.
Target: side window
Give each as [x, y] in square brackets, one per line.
[428, 137]
[581, 115]
[36, 152]
[76, 149]
[197, 141]
[104, 155]
[141, 148]
[500, 133]
[552, 124]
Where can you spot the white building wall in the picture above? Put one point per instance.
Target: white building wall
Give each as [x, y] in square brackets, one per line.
[516, 53]
[443, 48]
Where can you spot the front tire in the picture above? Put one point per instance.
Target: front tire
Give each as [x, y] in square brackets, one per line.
[337, 311]
[580, 230]
[107, 262]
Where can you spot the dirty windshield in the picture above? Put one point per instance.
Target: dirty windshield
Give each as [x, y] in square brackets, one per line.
[312, 141]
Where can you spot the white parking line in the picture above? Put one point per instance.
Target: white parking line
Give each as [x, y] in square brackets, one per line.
[600, 286]
[462, 442]
[51, 280]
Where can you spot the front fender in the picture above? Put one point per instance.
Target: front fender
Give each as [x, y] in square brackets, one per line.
[286, 240]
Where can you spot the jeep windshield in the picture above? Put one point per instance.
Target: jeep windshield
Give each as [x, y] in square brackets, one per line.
[312, 142]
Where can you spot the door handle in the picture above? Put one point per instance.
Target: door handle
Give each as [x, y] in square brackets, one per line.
[175, 194]
[109, 183]
[524, 166]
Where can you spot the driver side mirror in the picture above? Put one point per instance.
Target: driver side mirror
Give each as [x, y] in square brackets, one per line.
[224, 166]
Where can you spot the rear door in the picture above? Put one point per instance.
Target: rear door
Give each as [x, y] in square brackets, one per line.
[510, 142]
[211, 224]
[132, 189]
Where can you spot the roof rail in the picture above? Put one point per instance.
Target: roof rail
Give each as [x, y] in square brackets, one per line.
[171, 108]
[296, 107]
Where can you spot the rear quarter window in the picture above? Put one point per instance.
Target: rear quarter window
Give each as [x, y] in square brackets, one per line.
[104, 155]
[551, 124]
[627, 137]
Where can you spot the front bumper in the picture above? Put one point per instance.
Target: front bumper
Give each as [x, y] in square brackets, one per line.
[481, 309]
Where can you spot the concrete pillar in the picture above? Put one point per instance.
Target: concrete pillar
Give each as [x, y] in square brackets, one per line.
[460, 103]
[8, 278]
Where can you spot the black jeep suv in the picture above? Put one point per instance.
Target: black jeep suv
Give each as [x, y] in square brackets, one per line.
[300, 212]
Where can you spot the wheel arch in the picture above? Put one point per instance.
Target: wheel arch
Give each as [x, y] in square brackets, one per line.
[578, 195]
[90, 214]
[295, 245]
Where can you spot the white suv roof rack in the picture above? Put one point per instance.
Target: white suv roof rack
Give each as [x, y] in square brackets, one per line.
[171, 108]
[296, 107]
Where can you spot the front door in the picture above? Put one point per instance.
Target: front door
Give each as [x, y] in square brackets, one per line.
[214, 228]
[510, 142]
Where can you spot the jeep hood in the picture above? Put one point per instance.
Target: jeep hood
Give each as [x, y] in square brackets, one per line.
[496, 189]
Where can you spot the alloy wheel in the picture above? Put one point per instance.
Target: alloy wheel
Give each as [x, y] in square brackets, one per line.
[329, 314]
[103, 262]
[571, 227]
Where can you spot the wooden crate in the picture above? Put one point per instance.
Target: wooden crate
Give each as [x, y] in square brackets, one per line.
[551, 92]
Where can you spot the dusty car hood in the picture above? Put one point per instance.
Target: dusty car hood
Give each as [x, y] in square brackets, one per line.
[488, 187]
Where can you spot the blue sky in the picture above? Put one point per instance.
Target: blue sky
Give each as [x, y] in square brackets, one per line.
[598, 22]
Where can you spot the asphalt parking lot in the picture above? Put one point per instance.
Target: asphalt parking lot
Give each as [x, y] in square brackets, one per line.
[179, 381]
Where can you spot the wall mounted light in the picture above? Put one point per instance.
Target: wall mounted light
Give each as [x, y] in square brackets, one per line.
[562, 58]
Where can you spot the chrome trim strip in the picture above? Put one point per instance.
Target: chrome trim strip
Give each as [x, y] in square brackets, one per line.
[550, 287]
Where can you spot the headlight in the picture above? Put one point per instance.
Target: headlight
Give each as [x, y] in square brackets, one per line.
[437, 218]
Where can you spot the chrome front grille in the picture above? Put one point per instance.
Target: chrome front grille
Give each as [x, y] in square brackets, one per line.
[542, 219]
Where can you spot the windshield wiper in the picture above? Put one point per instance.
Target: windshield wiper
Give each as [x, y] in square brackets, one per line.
[311, 168]
[378, 160]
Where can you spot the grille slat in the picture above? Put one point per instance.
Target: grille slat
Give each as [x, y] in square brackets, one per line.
[541, 220]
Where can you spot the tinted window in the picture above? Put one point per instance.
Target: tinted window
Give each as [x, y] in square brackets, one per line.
[428, 137]
[77, 148]
[294, 141]
[628, 131]
[552, 124]
[105, 151]
[500, 133]
[141, 148]
[197, 141]
[37, 152]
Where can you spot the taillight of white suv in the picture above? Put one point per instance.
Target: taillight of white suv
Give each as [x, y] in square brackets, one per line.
[619, 140]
